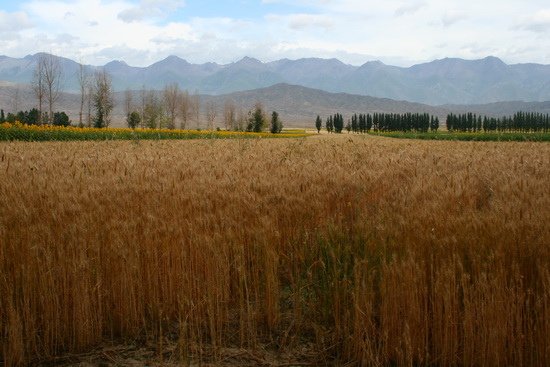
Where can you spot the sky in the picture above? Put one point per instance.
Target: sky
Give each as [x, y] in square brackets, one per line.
[397, 32]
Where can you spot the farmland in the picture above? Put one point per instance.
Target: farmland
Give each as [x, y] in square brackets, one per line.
[360, 249]
[23, 132]
[468, 136]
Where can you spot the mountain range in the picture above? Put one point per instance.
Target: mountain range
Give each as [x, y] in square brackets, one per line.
[440, 82]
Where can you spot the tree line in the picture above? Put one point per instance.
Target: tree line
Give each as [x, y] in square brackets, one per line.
[175, 108]
[520, 122]
[32, 117]
[364, 123]
[169, 108]
[525, 122]
[96, 96]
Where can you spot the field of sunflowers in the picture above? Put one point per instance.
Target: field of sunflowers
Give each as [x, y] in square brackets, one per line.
[22, 132]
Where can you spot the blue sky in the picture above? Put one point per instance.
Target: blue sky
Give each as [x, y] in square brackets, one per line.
[399, 32]
[248, 9]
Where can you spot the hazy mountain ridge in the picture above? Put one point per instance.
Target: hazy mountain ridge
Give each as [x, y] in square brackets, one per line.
[297, 105]
[445, 81]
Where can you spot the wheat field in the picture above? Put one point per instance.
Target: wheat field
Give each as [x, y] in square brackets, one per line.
[365, 250]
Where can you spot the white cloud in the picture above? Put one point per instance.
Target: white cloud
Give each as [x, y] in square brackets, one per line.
[94, 26]
[65, 38]
[452, 17]
[409, 8]
[538, 23]
[10, 22]
[141, 32]
[302, 21]
[147, 9]
[122, 52]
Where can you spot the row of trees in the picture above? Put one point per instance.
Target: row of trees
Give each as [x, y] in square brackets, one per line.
[32, 117]
[416, 122]
[334, 123]
[95, 91]
[364, 123]
[169, 108]
[175, 108]
[46, 85]
[519, 122]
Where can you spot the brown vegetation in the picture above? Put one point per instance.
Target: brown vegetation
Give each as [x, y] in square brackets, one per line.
[367, 250]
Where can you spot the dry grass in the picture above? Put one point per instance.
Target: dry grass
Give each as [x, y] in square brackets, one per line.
[367, 250]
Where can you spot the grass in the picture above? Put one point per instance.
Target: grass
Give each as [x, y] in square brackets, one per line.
[364, 251]
[294, 131]
[468, 136]
[12, 132]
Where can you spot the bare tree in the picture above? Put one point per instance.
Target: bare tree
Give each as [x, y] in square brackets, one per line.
[143, 102]
[15, 99]
[103, 99]
[196, 108]
[38, 86]
[128, 103]
[229, 114]
[83, 82]
[242, 120]
[51, 70]
[210, 115]
[89, 103]
[152, 110]
[171, 101]
[185, 109]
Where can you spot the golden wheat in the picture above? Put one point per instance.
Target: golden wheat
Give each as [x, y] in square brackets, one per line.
[370, 250]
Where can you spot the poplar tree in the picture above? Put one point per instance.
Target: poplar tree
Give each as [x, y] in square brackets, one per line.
[330, 125]
[318, 124]
[276, 125]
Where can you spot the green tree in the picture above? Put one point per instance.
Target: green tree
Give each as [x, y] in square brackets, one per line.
[362, 123]
[330, 124]
[61, 119]
[276, 124]
[133, 119]
[368, 122]
[21, 117]
[2, 117]
[354, 124]
[33, 116]
[434, 124]
[10, 118]
[338, 122]
[318, 124]
[256, 119]
[348, 126]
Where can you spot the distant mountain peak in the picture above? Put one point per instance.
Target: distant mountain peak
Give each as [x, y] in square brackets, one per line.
[444, 81]
[492, 60]
[116, 63]
[173, 58]
[248, 61]
[374, 63]
[372, 66]
[116, 66]
[171, 61]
